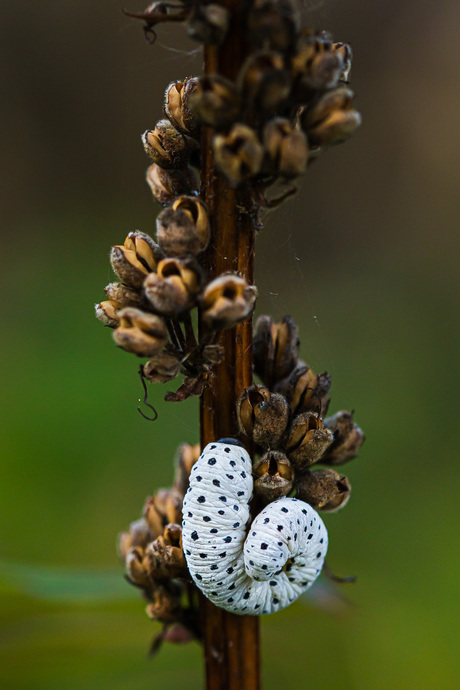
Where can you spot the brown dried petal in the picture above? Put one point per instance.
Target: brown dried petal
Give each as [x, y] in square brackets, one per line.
[166, 185]
[273, 476]
[227, 300]
[215, 101]
[348, 439]
[140, 333]
[324, 489]
[239, 154]
[307, 440]
[262, 416]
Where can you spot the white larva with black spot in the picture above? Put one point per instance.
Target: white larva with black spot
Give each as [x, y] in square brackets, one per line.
[256, 569]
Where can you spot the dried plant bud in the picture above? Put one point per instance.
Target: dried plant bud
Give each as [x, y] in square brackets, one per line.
[107, 312]
[239, 154]
[316, 66]
[273, 476]
[335, 128]
[137, 567]
[348, 439]
[153, 517]
[165, 556]
[162, 367]
[226, 301]
[166, 185]
[346, 53]
[304, 390]
[139, 535]
[264, 81]
[215, 101]
[165, 606]
[140, 333]
[166, 146]
[262, 416]
[286, 148]
[122, 295]
[184, 227]
[135, 259]
[273, 24]
[275, 348]
[320, 109]
[173, 288]
[168, 503]
[307, 440]
[186, 457]
[208, 23]
[324, 489]
[177, 106]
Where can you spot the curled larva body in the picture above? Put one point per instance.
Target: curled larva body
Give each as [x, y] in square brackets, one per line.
[247, 569]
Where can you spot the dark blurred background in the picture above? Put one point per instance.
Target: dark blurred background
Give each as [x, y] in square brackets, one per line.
[366, 260]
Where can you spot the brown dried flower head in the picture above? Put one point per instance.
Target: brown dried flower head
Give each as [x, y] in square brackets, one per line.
[286, 148]
[140, 333]
[324, 489]
[307, 440]
[263, 416]
[215, 101]
[273, 476]
[227, 300]
[184, 227]
[275, 348]
[177, 106]
[239, 154]
[348, 438]
[166, 185]
[264, 81]
[166, 146]
[173, 288]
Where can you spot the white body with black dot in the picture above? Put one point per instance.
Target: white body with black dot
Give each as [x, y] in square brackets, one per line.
[247, 569]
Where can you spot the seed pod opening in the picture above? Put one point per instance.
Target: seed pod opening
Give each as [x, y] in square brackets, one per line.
[173, 288]
[263, 416]
[273, 476]
[184, 227]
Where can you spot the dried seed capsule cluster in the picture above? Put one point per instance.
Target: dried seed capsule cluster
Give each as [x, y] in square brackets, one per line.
[154, 559]
[284, 418]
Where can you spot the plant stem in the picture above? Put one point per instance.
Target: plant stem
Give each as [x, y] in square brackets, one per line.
[231, 642]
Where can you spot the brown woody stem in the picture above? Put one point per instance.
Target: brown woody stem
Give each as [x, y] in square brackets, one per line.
[231, 642]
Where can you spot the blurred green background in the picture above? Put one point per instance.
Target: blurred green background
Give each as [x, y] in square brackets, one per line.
[365, 258]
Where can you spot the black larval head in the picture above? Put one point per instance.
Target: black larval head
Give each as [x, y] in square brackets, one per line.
[231, 441]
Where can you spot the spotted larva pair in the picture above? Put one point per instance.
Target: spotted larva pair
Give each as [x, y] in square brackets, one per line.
[256, 569]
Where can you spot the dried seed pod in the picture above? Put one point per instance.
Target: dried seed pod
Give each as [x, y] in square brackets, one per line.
[168, 503]
[264, 81]
[346, 53]
[166, 185]
[173, 288]
[135, 259]
[215, 101]
[165, 556]
[139, 535]
[286, 148]
[324, 489]
[348, 439]
[186, 457]
[137, 567]
[316, 66]
[184, 227]
[122, 295]
[177, 106]
[273, 24]
[165, 606]
[273, 476]
[238, 154]
[304, 390]
[262, 416]
[162, 367]
[166, 146]
[107, 312]
[208, 23]
[140, 333]
[226, 301]
[275, 348]
[307, 440]
[322, 107]
[153, 517]
[335, 128]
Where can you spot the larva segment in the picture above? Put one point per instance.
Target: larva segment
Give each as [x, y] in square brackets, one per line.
[247, 569]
